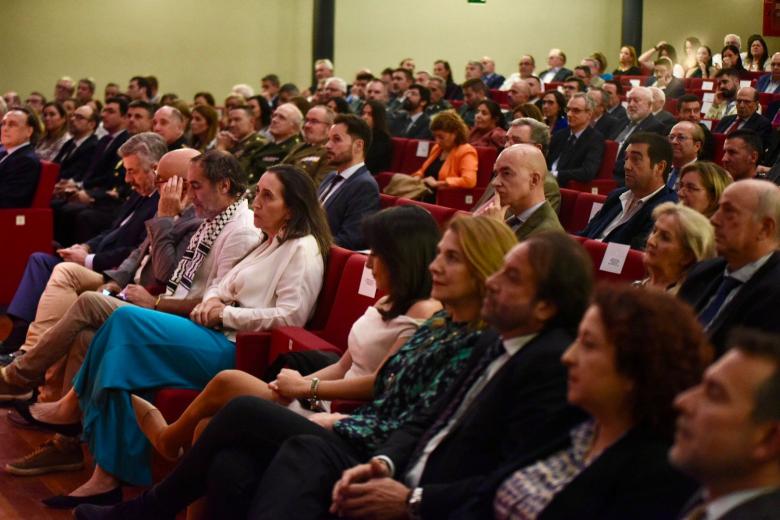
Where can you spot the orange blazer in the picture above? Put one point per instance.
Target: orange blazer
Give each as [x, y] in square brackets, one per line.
[459, 170]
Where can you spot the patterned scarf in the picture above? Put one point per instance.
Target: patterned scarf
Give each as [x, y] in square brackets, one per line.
[199, 247]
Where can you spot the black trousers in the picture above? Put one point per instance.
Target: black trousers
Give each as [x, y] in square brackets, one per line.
[233, 453]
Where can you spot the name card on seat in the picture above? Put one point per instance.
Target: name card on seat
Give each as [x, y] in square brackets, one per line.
[707, 85]
[422, 148]
[367, 286]
[708, 97]
[21, 220]
[634, 82]
[745, 83]
[614, 258]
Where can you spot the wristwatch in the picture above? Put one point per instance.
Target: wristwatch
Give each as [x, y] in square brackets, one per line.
[222, 316]
[414, 504]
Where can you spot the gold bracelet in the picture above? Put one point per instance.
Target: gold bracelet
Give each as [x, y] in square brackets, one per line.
[157, 301]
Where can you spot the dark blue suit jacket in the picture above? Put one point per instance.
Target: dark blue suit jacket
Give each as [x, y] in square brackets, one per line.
[356, 198]
[763, 84]
[79, 159]
[755, 305]
[633, 232]
[101, 175]
[113, 245]
[19, 174]
[758, 123]
[580, 162]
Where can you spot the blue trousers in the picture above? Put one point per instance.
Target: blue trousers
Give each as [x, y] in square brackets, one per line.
[36, 274]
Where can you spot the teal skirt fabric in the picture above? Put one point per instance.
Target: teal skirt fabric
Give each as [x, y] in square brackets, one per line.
[138, 351]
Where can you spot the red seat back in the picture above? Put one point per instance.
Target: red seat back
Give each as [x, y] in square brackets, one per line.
[24, 231]
[486, 159]
[633, 268]
[399, 149]
[582, 209]
[441, 214]
[692, 83]
[459, 198]
[608, 160]
[499, 96]
[411, 161]
[347, 305]
[386, 201]
[720, 141]
[566, 213]
[337, 259]
[50, 172]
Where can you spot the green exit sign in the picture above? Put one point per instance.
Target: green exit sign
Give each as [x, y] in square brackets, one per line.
[477, 1]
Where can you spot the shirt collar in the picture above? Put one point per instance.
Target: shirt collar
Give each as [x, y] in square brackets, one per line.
[12, 150]
[513, 345]
[346, 174]
[79, 142]
[628, 195]
[746, 272]
[525, 215]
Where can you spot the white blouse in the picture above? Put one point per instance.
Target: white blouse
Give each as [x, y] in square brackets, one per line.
[275, 285]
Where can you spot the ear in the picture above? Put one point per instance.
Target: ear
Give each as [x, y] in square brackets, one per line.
[224, 186]
[768, 228]
[767, 447]
[543, 311]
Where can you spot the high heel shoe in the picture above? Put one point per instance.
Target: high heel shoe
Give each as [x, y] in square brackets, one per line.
[152, 424]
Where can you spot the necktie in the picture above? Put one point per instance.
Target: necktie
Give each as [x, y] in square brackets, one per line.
[728, 284]
[3, 155]
[488, 356]
[513, 222]
[336, 180]
[568, 150]
[734, 126]
[672, 181]
[66, 151]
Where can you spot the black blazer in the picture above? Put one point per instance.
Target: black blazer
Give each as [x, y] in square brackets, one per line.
[101, 175]
[762, 507]
[648, 124]
[357, 198]
[633, 232]
[666, 119]
[755, 305]
[560, 75]
[520, 409]
[113, 245]
[79, 160]
[758, 123]
[19, 174]
[380, 153]
[619, 113]
[607, 124]
[673, 90]
[578, 163]
[630, 479]
[419, 130]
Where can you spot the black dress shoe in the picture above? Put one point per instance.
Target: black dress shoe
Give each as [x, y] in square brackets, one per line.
[68, 430]
[108, 498]
[92, 512]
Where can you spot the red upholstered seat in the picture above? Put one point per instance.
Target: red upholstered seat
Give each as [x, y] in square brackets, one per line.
[441, 214]
[582, 209]
[459, 198]
[720, 141]
[486, 159]
[633, 268]
[399, 148]
[50, 172]
[386, 201]
[566, 213]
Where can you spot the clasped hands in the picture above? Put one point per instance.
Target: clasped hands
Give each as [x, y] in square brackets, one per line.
[367, 491]
[207, 312]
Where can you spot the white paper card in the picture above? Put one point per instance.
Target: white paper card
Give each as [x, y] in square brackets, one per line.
[614, 258]
[707, 85]
[469, 199]
[705, 107]
[367, 283]
[745, 83]
[422, 148]
[634, 82]
[707, 123]
[21, 220]
[708, 97]
[594, 209]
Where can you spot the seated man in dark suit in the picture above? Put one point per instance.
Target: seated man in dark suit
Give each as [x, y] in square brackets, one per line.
[413, 122]
[601, 120]
[661, 114]
[747, 117]
[474, 91]
[742, 286]
[728, 432]
[741, 154]
[20, 168]
[626, 216]
[615, 109]
[169, 123]
[689, 109]
[640, 119]
[508, 401]
[556, 59]
[140, 156]
[770, 83]
[350, 192]
[576, 152]
[489, 76]
[77, 152]
[663, 79]
[97, 191]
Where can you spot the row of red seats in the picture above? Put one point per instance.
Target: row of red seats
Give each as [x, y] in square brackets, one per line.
[26, 230]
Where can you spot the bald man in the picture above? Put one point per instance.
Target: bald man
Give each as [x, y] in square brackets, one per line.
[169, 123]
[519, 184]
[740, 288]
[285, 130]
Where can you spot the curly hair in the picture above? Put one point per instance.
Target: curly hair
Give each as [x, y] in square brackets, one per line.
[659, 345]
[450, 121]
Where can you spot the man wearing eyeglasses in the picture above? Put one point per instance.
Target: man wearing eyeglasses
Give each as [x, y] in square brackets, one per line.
[576, 152]
[77, 152]
[747, 116]
[686, 139]
[310, 154]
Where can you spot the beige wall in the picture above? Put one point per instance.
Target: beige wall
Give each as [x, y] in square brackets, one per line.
[189, 45]
[709, 20]
[379, 33]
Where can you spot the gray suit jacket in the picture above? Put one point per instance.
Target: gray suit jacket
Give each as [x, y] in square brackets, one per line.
[168, 239]
[543, 219]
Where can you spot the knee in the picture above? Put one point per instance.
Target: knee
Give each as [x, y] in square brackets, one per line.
[40, 259]
[65, 274]
[224, 380]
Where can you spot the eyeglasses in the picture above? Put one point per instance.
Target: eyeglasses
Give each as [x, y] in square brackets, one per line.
[575, 110]
[314, 121]
[678, 137]
[688, 187]
[744, 101]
